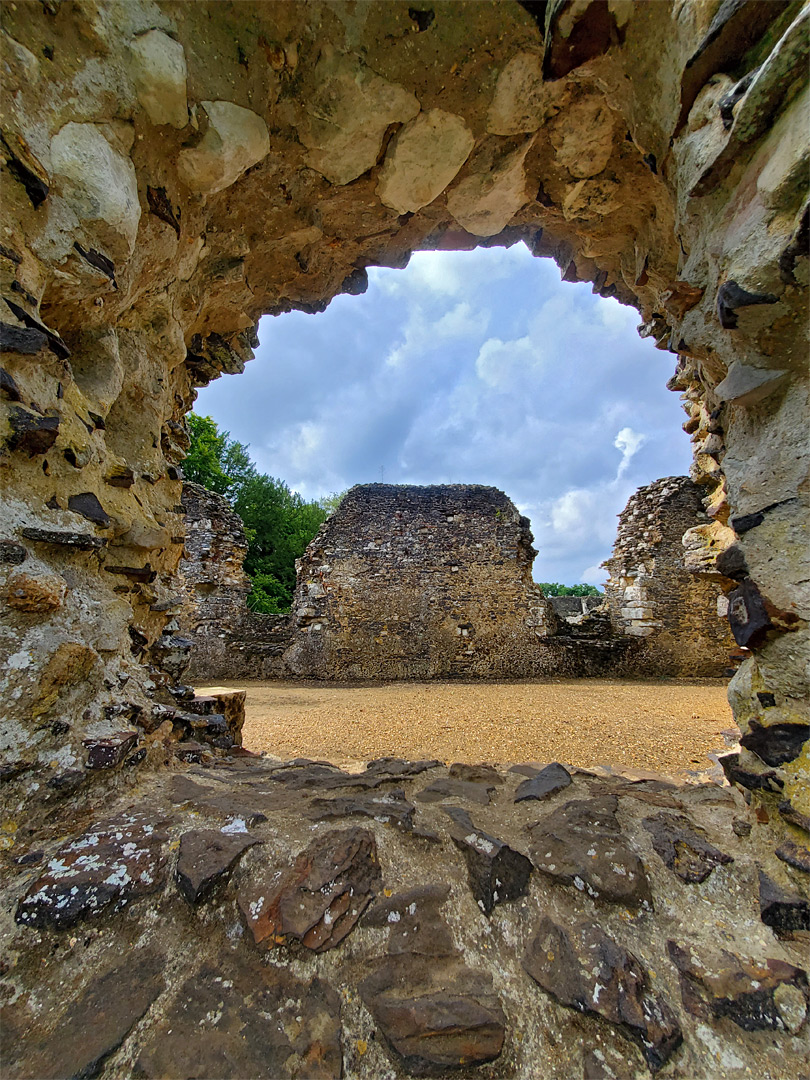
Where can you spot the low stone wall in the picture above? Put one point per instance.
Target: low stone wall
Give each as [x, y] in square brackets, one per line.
[253, 918]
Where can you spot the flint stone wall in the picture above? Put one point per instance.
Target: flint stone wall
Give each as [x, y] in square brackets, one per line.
[676, 615]
[419, 582]
[168, 177]
[230, 641]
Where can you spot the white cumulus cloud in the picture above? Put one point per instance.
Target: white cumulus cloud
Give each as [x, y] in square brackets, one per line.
[629, 442]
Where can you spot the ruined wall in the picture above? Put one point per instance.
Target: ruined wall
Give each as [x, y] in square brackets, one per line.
[229, 641]
[418, 582]
[428, 582]
[678, 615]
[173, 171]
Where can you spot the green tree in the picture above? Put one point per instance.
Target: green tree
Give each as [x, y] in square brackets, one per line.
[279, 524]
[553, 588]
[214, 459]
[330, 503]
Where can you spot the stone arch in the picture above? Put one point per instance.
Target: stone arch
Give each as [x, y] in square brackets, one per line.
[172, 174]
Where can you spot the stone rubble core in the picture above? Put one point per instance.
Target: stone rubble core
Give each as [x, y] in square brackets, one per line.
[657, 150]
[407, 582]
[252, 917]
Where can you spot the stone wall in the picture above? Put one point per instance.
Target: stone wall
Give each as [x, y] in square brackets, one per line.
[265, 920]
[419, 582]
[678, 616]
[430, 582]
[172, 172]
[230, 641]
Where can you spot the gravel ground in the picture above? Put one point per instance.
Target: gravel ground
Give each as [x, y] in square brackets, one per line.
[666, 726]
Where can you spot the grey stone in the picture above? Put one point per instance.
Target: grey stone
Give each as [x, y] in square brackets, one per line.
[746, 385]
[94, 1024]
[113, 863]
[447, 787]
[269, 1025]
[496, 872]
[782, 909]
[683, 847]
[422, 159]
[795, 855]
[391, 807]
[89, 507]
[159, 74]
[544, 784]
[584, 968]
[581, 844]
[99, 185]
[721, 983]
[206, 859]
[235, 140]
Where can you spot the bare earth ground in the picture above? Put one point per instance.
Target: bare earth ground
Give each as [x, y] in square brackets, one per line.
[667, 726]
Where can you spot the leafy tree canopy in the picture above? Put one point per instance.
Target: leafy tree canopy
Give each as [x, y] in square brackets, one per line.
[214, 459]
[279, 524]
[330, 503]
[553, 588]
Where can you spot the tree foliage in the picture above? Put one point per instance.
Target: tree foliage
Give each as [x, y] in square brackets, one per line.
[214, 459]
[553, 588]
[330, 503]
[279, 523]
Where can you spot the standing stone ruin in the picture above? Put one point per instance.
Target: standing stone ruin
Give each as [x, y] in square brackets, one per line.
[418, 583]
[407, 582]
[229, 640]
[170, 173]
[677, 615]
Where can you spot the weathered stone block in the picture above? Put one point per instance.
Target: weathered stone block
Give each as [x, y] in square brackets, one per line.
[235, 140]
[159, 73]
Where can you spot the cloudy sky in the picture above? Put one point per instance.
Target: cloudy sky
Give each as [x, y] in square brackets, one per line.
[474, 367]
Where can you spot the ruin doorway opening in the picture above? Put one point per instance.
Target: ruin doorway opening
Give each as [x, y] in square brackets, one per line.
[467, 367]
[471, 365]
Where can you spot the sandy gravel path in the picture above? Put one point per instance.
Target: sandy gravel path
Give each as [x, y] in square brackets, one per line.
[666, 726]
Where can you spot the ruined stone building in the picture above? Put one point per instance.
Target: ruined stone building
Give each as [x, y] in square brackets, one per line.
[230, 641]
[169, 173]
[676, 615]
[406, 582]
[418, 582]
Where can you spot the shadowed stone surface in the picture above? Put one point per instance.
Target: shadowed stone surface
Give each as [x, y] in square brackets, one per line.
[319, 900]
[547, 782]
[93, 1026]
[496, 872]
[392, 806]
[448, 788]
[247, 1020]
[581, 844]
[414, 921]
[114, 862]
[782, 909]
[796, 855]
[207, 858]
[584, 968]
[749, 992]
[434, 1011]
[683, 848]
